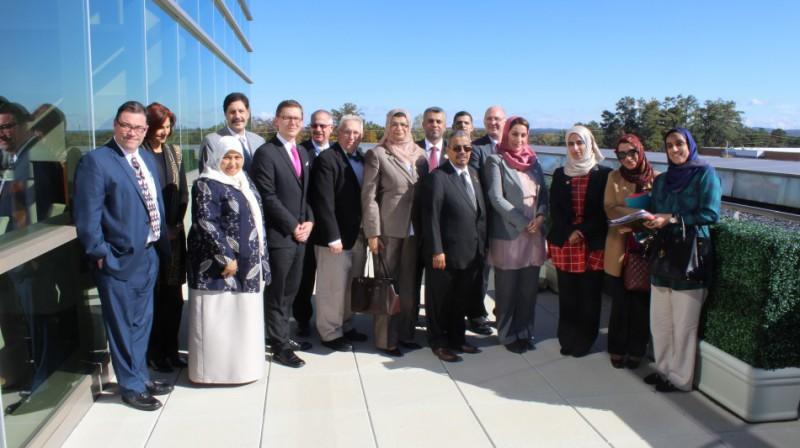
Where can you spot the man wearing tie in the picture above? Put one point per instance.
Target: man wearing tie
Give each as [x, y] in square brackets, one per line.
[321, 128]
[434, 123]
[119, 216]
[237, 113]
[454, 247]
[338, 239]
[280, 171]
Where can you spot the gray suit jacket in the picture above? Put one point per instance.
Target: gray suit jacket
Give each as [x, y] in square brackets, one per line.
[388, 194]
[212, 140]
[504, 191]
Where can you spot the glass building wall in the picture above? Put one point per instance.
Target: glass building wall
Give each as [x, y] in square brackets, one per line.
[70, 64]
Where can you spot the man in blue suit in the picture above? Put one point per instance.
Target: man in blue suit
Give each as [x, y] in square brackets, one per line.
[119, 215]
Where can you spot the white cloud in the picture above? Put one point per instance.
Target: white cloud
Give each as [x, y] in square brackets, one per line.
[757, 102]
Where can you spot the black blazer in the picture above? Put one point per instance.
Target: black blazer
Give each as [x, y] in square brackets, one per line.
[453, 226]
[481, 150]
[594, 225]
[311, 152]
[335, 197]
[283, 195]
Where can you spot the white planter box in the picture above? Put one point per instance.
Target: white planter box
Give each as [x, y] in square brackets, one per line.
[756, 395]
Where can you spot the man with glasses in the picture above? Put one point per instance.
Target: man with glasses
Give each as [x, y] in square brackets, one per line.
[321, 127]
[280, 171]
[16, 186]
[119, 216]
[236, 107]
[454, 247]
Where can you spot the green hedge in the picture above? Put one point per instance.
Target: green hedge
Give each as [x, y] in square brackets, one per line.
[753, 311]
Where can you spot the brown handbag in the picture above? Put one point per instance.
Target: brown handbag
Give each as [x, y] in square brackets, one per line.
[374, 294]
[635, 268]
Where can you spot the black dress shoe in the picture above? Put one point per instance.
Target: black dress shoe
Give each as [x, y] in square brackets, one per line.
[157, 387]
[446, 355]
[666, 386]
[653, 378]
[339, 344]
[391, 352]
[303, 330]
[529, 344]
[288, 359]
[480, 328]
[178, 362]
[301, 346]
[411, 345]
[565, 351]
[142, 401]
[517, 347]
[353, 335]
[160, 365]
[467, 348]
[633, 362]
[617, 361]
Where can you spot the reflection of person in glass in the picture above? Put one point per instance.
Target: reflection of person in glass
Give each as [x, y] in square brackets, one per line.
[162, 351]
[16, 186]
[119, 216]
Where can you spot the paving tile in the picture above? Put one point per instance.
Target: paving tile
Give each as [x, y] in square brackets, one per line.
[446, 424]
[109, 422]
[682, 441]
[392, 389]
[634, 416]
[493, 361]
[318, 428]
[706, 412]
[334, 392]
[526, 386]
[590, 375]
[763, 435]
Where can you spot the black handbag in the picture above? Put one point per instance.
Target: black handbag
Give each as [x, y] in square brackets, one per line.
[374, 294]
[680, 255]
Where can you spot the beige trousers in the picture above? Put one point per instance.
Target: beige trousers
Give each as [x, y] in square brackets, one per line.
[332, 298]
[674, 318]
[400, 256]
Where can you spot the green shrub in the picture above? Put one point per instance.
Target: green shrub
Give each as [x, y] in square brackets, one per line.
[753, 311]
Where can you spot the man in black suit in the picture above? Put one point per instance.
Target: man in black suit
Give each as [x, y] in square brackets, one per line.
[280, 171]
[493, 121]
[321, 127]
[455, 247]
[339, 242]
[434, 123]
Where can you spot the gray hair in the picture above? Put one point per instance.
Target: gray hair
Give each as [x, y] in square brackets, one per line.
[322, 111]
[458, 134]
[351, 117]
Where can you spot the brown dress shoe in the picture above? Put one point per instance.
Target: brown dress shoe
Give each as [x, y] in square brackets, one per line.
[467, 348]
[446, 355]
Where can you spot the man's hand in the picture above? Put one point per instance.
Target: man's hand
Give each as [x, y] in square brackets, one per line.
[230, 269]
[303, 231]
[576, 237]
[439, 262]
[100, 263]
[335, 249]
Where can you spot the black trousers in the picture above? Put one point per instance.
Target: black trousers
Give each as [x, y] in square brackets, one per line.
[629, 323]
[475, 307]
[301, 308]
[447, 292]
[167, 310]
[286, 267]
[579, 301]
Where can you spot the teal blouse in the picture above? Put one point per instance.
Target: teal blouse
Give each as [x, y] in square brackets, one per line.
[698, 204]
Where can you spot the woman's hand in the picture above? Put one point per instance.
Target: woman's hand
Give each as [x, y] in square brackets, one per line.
[575, 237]
[623, 230]
[374, 244]
[535, 224]
[659, 221]
[439, 262]
[230, 269]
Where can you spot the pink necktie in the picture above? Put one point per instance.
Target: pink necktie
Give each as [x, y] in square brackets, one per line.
[296, 161]
[433, 160]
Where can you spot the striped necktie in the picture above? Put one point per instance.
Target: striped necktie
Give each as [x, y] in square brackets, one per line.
[150, 203]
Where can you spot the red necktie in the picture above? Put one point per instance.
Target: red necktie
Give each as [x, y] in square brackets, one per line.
[433, 160]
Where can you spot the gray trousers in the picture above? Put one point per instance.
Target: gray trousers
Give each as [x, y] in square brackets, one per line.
[335, 273]
[400, 256]
[515, 298]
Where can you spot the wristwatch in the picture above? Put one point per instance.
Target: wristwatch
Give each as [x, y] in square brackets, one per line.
[673, 219]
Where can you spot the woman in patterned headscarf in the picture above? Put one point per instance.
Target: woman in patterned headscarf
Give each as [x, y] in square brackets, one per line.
[629, 324]
[576, 241]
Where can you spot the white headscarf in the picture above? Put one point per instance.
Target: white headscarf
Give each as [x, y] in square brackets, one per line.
[591, 155]
[238, 181]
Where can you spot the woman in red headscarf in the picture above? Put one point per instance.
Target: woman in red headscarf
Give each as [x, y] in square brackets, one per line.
[518, 195]
[629, 324]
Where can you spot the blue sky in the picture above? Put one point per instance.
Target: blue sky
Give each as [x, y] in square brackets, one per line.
[555, 63]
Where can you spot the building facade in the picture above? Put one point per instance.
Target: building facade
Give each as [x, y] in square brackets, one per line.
[67, 66]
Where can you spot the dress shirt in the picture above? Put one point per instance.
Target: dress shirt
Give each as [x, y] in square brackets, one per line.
[151, 185]
[429, 145]
[243, 139]
[494, 145]
[318, 149]
[287, 145]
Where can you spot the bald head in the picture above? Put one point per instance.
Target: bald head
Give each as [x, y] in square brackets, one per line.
[493, 121]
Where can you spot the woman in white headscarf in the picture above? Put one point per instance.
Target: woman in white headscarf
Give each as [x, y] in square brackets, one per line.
[391, 173]
[228, 269]
[576, 241]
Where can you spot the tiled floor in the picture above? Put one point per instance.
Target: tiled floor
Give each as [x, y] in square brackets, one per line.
[492, 399]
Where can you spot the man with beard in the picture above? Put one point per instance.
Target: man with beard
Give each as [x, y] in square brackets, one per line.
[237, 113]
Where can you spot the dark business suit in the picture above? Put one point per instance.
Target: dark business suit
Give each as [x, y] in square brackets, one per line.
[457, 228]
[482, 148]
[284, 197]
[254, 141]
[113, 225]
[301, 308]
[335, 197]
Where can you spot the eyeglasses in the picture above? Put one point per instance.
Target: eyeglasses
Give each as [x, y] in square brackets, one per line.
[319, 125]
[285, 118]
[130, 127]
[622, 155]
[4, 127]
[461, 148]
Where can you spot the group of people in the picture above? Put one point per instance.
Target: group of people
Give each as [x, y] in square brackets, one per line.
[274, 220]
